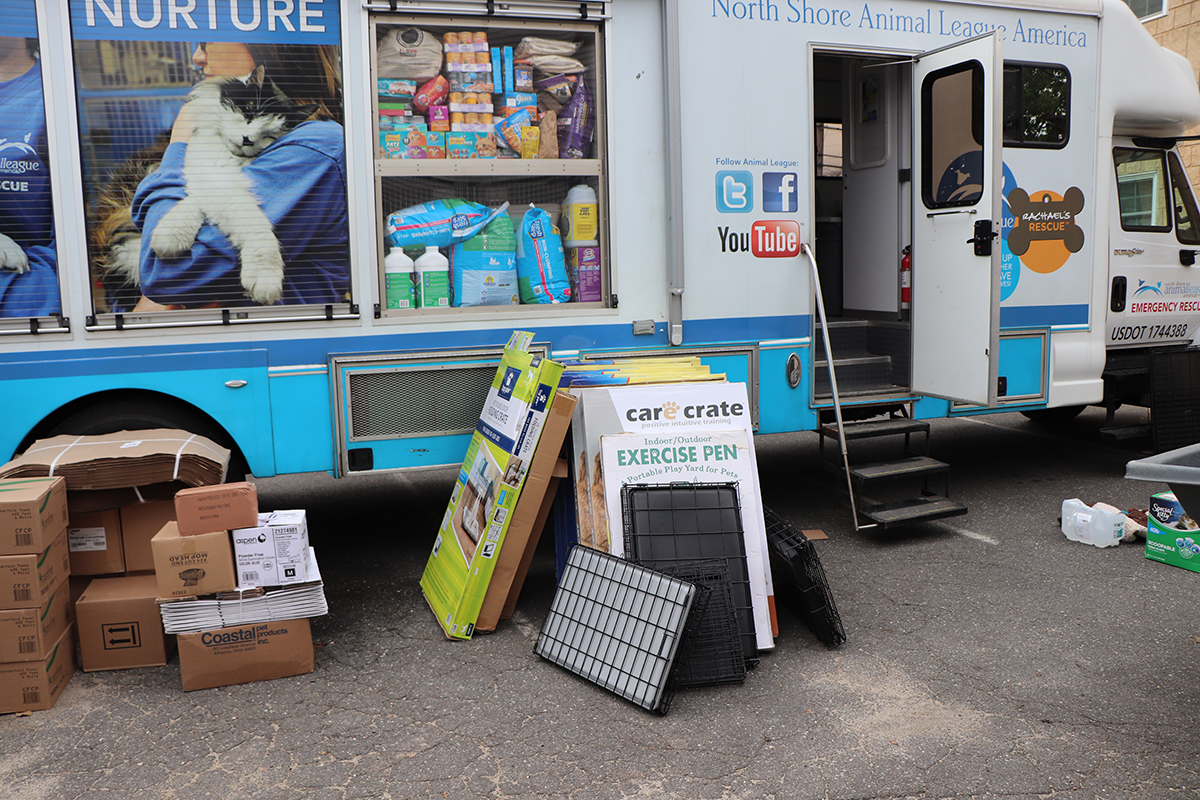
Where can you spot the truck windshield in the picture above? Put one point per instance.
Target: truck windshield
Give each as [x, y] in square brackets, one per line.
[1187, 222]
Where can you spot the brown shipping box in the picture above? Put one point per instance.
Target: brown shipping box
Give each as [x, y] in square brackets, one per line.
[139, 523]
[216, 508]
[36, 685]
[529, 517]
[28, 581]
[94, 540]
[120, 626]
[245, 653]
[192, 565]
[26, 634]
[33, 512]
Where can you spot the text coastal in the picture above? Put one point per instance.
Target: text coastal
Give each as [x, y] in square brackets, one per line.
[867, 18]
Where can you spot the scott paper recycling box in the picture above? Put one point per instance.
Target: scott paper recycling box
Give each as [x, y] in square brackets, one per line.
[1179, 548]
[484, 498]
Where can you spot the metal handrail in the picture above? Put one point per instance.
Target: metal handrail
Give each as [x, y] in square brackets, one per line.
[837, 402]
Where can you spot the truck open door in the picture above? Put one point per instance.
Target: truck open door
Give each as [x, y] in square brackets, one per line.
[956, 218]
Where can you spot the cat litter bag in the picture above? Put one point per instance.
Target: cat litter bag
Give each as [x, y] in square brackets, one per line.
[483, 269]
[541, 265]
[439, 222]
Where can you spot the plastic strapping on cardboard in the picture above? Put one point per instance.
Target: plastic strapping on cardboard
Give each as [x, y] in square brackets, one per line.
[138, 492]
[179, 455]
[54, 463]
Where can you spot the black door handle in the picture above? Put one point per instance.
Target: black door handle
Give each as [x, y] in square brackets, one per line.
[983, 237]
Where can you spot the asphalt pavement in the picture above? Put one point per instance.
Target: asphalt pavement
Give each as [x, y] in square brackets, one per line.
[987, 656]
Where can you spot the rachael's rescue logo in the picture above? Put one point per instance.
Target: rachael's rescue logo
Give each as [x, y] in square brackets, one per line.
[1045, 233]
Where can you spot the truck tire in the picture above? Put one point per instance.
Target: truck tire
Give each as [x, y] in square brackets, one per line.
[1053, 416]
[112, 414]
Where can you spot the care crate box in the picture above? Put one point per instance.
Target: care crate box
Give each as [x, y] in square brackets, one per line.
[245, 653]
[120, 626]
[94, 542]
[33, 512]
[224, 507]
[192, 565]
[275, 552]
[1170, 546]
[36, 685]
[27, 634]
[139, 523]
[27, 581]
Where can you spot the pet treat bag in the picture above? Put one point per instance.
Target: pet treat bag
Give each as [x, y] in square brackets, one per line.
[439, 222]
[541, 265]
[483, 269]
[576, 123]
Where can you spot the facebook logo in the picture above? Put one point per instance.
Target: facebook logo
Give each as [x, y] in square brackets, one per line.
[735, 191]
[779, 192]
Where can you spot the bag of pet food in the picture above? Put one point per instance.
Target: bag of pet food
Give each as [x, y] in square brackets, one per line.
[440, 223]
[409, 53]
[576, 123]
[483, 269]
[537, 46]
[541, 264]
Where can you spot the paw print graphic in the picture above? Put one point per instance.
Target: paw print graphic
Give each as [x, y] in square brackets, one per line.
[670, 409]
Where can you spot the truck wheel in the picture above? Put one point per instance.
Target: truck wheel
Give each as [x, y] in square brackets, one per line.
[1053, 416]
[114, 414]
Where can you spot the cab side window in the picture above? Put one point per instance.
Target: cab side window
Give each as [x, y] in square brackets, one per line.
[1142, 189]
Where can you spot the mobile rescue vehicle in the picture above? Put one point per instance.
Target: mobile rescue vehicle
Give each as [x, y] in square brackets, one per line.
[985, 197]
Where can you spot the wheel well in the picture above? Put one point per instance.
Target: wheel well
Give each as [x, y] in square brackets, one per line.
[131, 409]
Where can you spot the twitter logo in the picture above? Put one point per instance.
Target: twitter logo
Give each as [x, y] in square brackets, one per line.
[735, 192]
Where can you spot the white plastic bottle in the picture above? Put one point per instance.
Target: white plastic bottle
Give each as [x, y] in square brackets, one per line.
[400, 290]
[1094, 526]
[580, 217]
[433, 274]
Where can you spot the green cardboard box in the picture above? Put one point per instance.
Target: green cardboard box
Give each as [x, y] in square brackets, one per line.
[1170, 546]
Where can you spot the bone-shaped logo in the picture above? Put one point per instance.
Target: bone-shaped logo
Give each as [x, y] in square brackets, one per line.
[1046, 220]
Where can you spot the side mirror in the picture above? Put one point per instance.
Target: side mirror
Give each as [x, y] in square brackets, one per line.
[1187, 257]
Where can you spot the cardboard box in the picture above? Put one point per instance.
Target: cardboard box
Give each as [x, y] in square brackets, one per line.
[1170, 546]
[245, 653]
[529, 517]
[192, 565]
[36, 685]
[27, 634]
[27, 581]
[94, 541]
[33, 512]
[1165, 508]
[139, 523]
[80, 501]
[205, 509]
[120, 626]
[273, 553]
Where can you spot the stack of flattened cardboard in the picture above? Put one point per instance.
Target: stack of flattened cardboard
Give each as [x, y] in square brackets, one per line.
[124, 459]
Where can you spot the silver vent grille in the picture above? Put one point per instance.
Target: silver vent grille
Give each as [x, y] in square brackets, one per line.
[416, 401]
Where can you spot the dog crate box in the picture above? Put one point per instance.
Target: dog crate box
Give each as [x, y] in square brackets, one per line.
[192, 565]
[27, 581]
[223, 507]
[94, 542]
[120, 626]
[27, 634]
[33, 512]
[274, 552]
[245, 653]
[139, 523]
[36, 685]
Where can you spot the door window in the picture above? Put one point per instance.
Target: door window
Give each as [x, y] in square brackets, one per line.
[1187, 221]
[1142, 189]
[952, 136]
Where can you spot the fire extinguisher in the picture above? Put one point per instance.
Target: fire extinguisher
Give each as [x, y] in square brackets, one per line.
[906, 279]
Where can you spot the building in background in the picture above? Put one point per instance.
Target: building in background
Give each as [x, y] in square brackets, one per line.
[1175, 24]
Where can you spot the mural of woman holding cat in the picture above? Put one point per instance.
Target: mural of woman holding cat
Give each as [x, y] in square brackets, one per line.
[28, 260]
[255, 213]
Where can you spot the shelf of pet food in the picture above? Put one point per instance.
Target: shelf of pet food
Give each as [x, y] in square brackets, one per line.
[501, 312]
[515, 167]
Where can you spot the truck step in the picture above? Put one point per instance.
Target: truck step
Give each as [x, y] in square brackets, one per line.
[917, 509]
[861, 374]
[895, 469]
[880, 427]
